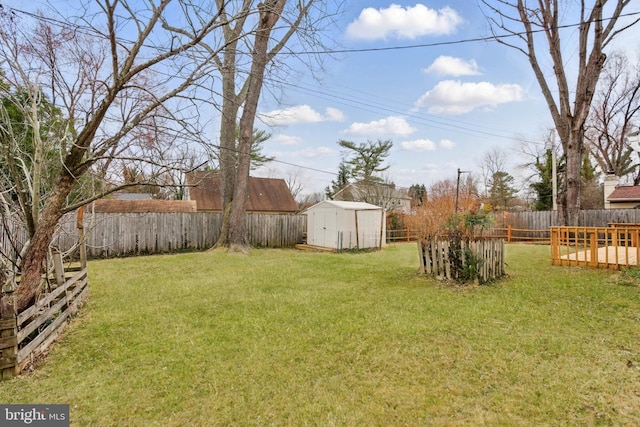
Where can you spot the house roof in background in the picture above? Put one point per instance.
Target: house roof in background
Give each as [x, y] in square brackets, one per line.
[350, 206]
[358, 189]
[625, 193]
[265, 194]
[141, 206]
[133, 196]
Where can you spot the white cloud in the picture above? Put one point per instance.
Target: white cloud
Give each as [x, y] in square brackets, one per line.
[425, 145]
[454, 97]
[300, 114]
[334, 115]
[418, 145]
[313, 153]
[391, 125]
[446, 143]
[403, 23]
[450, 66]
[286, 139]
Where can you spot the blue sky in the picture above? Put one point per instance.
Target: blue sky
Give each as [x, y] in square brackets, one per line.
[443, 106]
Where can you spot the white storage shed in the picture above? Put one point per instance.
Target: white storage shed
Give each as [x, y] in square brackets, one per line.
[346, 225]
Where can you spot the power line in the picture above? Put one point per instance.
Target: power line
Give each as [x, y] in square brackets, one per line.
[342, 99]
[439, 124]
[354, 50]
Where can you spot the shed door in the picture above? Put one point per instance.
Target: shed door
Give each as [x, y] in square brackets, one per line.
[326, 231]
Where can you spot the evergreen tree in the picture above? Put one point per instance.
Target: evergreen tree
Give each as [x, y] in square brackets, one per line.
[502, 189]
[341, 181]
[418, 194]
[366, 162]
[544, 187]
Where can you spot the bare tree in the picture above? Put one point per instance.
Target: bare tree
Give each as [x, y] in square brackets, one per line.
[279, 23]
[493, 161]
[616, 109]
[296, 180]
[528, 25]
[110, 71]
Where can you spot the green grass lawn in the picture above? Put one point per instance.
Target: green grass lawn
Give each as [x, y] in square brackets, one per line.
[291, 338]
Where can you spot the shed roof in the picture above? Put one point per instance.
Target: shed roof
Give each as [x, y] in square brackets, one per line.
[142, 206]
[265, 194]
[353, 206]
[625, 193]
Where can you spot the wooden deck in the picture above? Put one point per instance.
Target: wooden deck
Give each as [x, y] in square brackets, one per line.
[612, 256]
[612, 247]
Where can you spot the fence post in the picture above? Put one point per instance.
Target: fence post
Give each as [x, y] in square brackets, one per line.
[509, 233]
[8, 348]
[423, 261]
[58, 268]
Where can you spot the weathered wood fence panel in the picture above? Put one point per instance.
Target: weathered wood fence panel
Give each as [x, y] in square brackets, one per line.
[438, 258]
[542, 220]
[111, 235]
[26, 336]
[13, 236]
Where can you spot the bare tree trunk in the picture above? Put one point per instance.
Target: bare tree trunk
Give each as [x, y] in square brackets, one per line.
[231, 102]
[569, 108]
[270, 12]
[574, 156]
[97, 97]
[36, 254]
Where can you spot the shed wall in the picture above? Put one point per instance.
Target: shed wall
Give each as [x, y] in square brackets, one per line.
[336, 228]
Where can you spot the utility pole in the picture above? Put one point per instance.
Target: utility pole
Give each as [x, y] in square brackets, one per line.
[458, 188]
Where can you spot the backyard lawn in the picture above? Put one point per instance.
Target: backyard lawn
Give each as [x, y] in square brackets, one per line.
[282, 337]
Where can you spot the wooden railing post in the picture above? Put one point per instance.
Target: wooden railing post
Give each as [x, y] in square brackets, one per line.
[509, 233]
[593, 243]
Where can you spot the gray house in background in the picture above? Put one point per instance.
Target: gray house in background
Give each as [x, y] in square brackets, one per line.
[388, 197]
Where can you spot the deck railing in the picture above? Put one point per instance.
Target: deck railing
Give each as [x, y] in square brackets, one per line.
[611, 247]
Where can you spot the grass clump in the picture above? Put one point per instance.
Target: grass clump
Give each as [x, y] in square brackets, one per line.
[285, 337]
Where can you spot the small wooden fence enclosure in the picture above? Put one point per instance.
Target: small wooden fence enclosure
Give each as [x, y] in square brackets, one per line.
[23, 338]
[602, 247]
[438, 258]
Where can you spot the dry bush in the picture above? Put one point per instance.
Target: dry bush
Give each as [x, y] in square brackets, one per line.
[436, 215]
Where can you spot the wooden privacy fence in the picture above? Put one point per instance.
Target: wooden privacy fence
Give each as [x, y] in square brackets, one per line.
[113, 234]
[23, 338]
[542, 220]
[481, 260]
[602, 247]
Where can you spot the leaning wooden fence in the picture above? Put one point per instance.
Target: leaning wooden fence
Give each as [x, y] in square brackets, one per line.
[601, 247]
[480, 259]
[24, 337]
